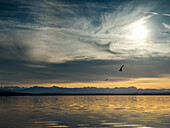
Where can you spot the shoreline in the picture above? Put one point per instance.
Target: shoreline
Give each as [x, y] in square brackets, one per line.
[73, 94]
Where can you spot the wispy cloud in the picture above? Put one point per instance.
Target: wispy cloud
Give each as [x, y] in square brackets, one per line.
[153, 13]
[166, 14]
[59, 32]
[166, 26]
[61, 40]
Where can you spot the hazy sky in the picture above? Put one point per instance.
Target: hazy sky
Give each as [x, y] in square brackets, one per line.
[74, 43]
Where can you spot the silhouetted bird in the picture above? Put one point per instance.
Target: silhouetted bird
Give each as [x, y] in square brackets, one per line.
[106, 79]
[121, 68]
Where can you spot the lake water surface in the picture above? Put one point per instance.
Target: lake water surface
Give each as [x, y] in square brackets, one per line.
[85, 112]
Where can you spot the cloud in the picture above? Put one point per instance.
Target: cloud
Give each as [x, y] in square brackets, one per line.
[59, 32]
[166, 26]
[166, 14]
[17, 72]
[63, 41]
[153, 13]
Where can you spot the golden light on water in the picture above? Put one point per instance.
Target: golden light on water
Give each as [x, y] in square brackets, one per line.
[85, 111]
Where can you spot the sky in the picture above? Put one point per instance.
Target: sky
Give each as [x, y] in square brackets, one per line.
[72, 43]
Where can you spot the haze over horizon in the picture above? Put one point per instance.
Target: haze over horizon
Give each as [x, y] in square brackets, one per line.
[81, 43]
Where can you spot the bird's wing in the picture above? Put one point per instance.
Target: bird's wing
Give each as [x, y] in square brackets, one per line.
[122, 66]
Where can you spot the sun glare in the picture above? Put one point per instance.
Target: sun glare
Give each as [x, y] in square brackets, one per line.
[139, 33]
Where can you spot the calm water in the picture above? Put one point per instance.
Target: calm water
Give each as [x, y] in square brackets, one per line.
[85, 112]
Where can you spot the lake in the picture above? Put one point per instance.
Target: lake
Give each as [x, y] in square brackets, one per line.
[85, 111]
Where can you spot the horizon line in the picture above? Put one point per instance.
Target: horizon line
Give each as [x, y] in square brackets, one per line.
[80, 87]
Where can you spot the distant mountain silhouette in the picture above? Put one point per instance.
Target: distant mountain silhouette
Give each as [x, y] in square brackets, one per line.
[85, 90]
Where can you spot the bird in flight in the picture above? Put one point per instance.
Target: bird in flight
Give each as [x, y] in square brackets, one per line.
[121, 68]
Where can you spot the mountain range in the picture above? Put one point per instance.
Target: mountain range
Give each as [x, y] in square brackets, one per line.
[85, 90]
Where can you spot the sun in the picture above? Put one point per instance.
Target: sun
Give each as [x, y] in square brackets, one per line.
[139, 33]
